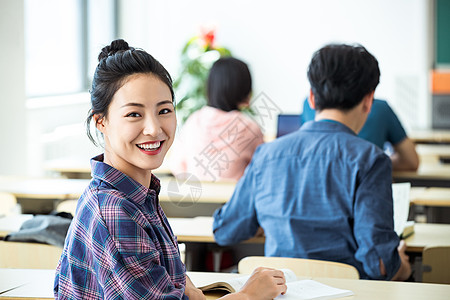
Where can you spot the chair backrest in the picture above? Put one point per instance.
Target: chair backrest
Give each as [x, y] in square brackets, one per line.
[18, 255]
[8, 203]
[436, 265]
[300, 266]
[67, 206]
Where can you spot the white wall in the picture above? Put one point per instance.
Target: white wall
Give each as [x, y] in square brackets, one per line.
[13, 121]
[278, 38]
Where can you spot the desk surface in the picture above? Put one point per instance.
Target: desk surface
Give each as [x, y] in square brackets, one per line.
[38, 284]
[430, 136]
[430, 196]
[43, 188]
[426, 171]
[175, 191]
[80, 168]
[362, 289]
[430, 168]
[199, 230]
[427, 235]
[172, 190]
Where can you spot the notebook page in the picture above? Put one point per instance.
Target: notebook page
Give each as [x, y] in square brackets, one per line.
[311, 289]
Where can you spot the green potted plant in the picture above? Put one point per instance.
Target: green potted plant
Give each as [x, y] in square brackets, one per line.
[197, 57]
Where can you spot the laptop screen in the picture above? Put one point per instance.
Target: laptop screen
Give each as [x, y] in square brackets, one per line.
[287, 124]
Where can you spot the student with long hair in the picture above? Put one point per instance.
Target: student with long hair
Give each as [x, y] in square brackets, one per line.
[217, 142]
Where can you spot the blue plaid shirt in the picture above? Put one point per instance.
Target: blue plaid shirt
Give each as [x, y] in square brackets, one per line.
[119, 245]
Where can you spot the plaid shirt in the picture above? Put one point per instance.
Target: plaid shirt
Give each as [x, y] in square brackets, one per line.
[119, 245]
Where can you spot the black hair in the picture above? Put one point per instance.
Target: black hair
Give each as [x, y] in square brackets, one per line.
[117, 61]
[341, 75]
[229, 83]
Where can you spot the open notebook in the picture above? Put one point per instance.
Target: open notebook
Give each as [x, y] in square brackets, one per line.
[400, 197]
[296, 289]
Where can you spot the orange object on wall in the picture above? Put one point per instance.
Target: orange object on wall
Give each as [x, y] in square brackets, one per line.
[440, 82]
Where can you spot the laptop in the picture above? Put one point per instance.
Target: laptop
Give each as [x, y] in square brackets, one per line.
[287, 123]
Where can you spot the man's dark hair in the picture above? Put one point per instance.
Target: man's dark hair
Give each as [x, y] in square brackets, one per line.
[341, 75]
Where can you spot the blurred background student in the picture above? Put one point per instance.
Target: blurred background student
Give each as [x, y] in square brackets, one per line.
[384, 129]
[217, 142]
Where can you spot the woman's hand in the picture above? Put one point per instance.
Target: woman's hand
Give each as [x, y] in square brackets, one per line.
[192, 292]
[264, 283]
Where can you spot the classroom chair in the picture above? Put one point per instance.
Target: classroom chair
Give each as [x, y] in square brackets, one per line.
[68, 206]
[436, 265]
[300, 266]
[18, 255]
[8, 203]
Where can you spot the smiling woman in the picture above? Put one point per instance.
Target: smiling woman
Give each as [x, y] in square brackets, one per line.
[119, 236]
[140, 126]
[120, 244]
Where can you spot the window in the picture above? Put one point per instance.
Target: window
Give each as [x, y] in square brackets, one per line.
[62, 41]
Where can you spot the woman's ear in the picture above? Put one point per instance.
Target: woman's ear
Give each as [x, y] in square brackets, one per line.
[99, 123]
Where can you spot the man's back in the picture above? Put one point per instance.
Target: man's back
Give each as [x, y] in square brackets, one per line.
[382, 124]
[318, 193]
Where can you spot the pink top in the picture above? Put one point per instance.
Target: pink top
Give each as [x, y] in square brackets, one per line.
[215, 145]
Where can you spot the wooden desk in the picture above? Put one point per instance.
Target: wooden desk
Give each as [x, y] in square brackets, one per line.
[38, 284]
[430, 136]
[179, 199]
[26, 284]
[189, 193]
[430, 196]
[40, 195]
[433, 202]
[426, 235]
[362, 289]
[43, 188]
[191, 199]
[80, 168]
[199, 230]
[431, 172]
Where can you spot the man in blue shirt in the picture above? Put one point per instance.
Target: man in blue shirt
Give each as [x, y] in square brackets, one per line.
[382, 126]
[322, 192]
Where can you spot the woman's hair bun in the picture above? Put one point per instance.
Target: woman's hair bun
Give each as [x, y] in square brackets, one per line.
[116, 46]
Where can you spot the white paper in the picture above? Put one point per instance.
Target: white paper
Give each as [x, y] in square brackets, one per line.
[400, 197]
[310, 289]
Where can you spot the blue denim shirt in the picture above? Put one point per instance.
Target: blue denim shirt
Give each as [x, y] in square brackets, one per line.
[382, 125]
[321, 193]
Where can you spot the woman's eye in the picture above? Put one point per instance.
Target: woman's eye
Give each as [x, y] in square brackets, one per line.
[133, 115]
[165, 111]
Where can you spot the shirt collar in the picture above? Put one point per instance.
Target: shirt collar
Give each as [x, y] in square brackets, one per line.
[124, 183]
[326, 125]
